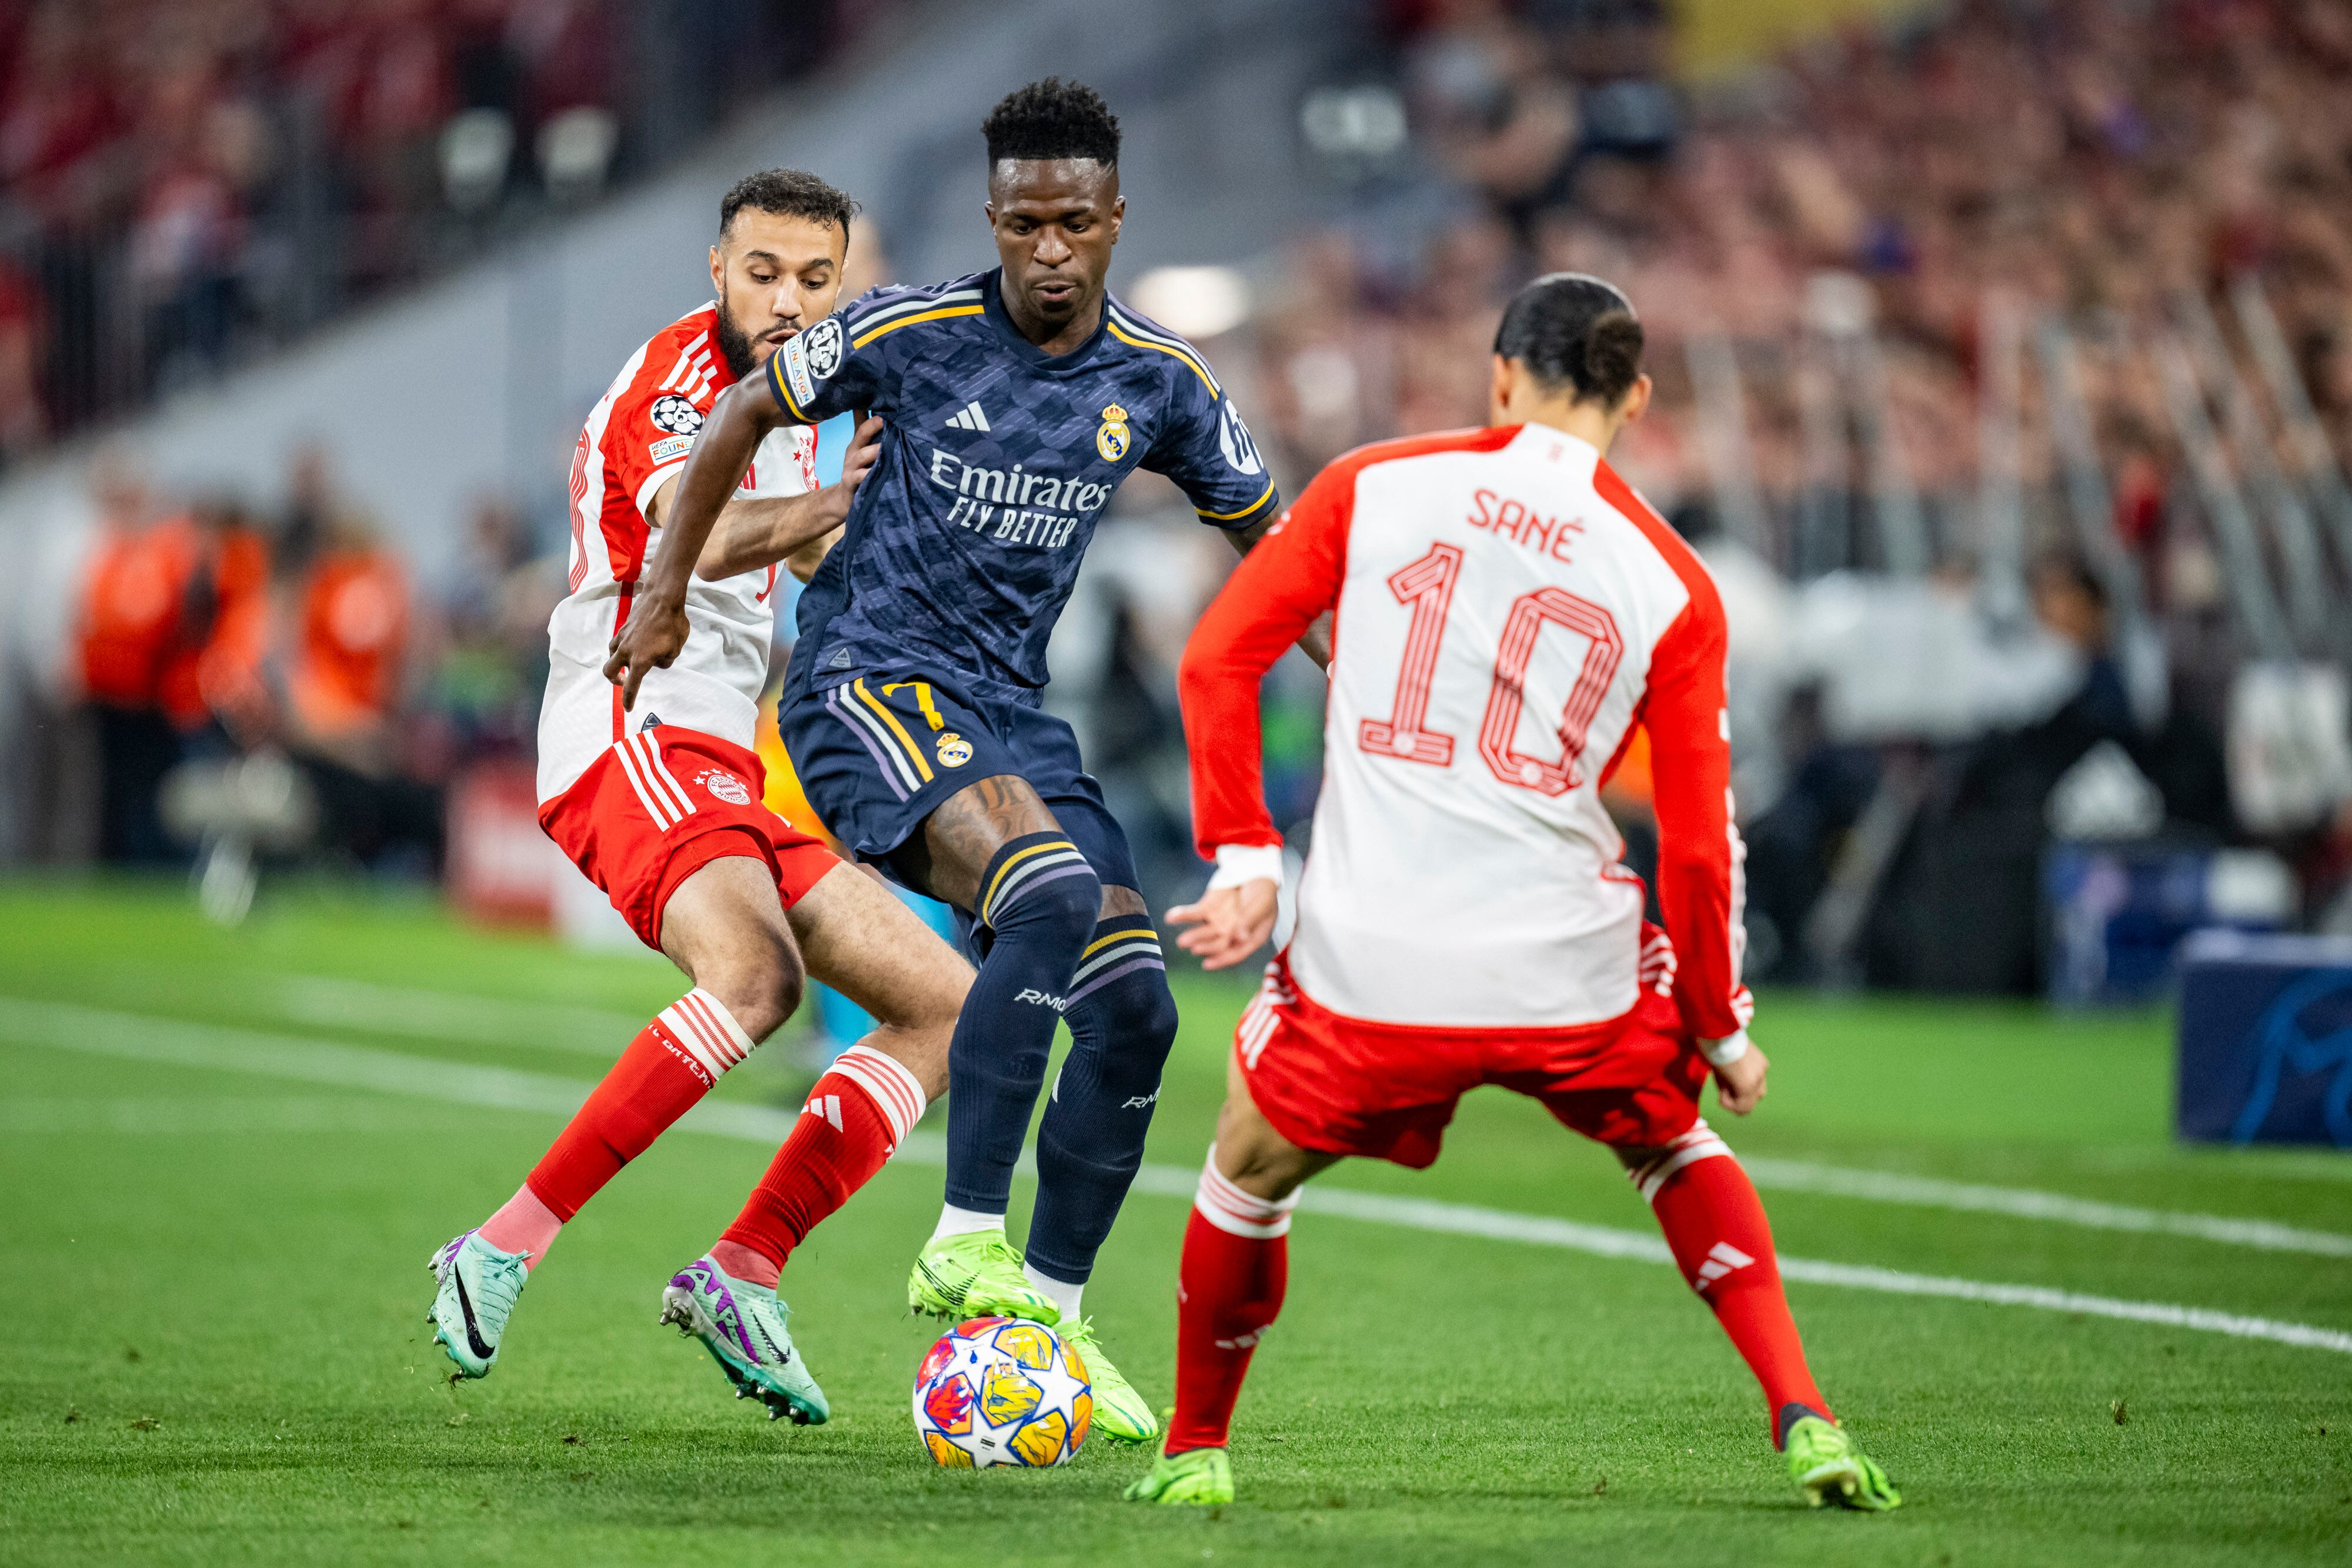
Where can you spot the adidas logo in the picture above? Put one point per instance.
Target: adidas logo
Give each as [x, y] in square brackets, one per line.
[1721, 1260]
[653, 721]
[840, 660]
[827, 1106]
[969, 417]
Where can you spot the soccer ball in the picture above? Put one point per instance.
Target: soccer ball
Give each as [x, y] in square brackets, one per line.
[1002, 1390]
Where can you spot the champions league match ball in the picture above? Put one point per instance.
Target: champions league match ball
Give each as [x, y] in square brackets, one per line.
[1002, 1390]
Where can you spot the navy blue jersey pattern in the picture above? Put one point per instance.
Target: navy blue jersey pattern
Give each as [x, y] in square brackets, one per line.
[996, 462]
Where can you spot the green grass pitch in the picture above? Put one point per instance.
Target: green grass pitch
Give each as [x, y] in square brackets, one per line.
[214, 1286]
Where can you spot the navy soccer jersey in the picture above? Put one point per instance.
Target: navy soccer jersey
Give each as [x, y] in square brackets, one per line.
[997, 459]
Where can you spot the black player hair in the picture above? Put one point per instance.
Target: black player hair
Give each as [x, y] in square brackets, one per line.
[1052, 119]
[793, 193]
[1572, 329]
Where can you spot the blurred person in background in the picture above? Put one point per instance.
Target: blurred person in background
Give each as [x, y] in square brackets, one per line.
[128, 627]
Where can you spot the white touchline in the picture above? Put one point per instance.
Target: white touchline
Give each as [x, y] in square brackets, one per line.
[175, 1042]
[2024, 1203]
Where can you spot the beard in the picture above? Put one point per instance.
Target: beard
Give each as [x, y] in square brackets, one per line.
[734, 343]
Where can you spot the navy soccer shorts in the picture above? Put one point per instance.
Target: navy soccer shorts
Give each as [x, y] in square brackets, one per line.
[879, 754]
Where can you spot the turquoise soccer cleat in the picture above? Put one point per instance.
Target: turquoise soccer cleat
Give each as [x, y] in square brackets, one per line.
[742, 1327]
[479, 1285]
[1831, 1467]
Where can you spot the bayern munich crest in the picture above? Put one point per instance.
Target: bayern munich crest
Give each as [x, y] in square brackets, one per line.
[724, 786]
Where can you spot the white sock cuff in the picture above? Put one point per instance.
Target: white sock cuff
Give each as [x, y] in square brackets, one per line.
[701, 1023]
[887, 1082]
[1238, 1213]
[1699, 1144]
[954, 1221]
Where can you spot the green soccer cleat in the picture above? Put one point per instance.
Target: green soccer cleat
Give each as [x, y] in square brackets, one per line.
[1120, 1413]
[742, 1327]
[479, 1285]
[1831, 1467]
[976, 1275]
[1202, 1477]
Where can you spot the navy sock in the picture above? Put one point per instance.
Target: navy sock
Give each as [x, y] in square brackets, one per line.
[1122, 1020]
[1038, 900]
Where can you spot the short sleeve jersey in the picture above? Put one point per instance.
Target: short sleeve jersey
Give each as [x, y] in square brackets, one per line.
[997, 460]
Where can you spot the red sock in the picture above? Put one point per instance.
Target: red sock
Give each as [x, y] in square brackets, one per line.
[1229, 1291]
[668, 1067]
[854, 1119]
[1716, 1224]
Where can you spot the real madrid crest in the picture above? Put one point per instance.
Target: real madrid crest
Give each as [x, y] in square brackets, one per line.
[1112, 438]
[954, 749]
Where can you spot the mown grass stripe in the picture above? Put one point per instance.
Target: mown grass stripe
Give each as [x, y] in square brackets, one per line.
[176, 1042]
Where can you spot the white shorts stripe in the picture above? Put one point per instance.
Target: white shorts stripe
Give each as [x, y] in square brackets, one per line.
[659, 810]
[658, 775]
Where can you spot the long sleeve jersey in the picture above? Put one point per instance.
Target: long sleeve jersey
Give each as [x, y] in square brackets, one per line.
[1508, 611]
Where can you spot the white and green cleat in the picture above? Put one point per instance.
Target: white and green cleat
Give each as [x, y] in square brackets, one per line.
[743, 1325]
[1830, 1466]
[975, 1275]
[1202, 1477]
[479, 1285]
[1120, 1413]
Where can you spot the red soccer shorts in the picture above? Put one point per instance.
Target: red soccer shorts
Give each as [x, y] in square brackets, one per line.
[657, 807]
[1344, 1086]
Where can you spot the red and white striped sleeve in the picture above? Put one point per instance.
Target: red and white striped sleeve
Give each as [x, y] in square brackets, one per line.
[1291, 576]
[654, 422]
[1700, 857]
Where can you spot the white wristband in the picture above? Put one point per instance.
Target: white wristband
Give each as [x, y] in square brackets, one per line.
[1725, 1051]
[1239, 863]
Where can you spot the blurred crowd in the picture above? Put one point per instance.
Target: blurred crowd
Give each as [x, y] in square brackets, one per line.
[1850, 265]
[183, 185]
[205, 633]
[2090, 156]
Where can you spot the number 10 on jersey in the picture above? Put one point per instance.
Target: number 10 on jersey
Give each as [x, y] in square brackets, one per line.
[1427, 585]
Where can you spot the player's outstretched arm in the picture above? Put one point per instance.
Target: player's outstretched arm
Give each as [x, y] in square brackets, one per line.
[656, 629]
[1316, 642]
[753, 534]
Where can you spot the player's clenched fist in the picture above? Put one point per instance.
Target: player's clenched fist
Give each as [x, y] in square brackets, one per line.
[652, 637]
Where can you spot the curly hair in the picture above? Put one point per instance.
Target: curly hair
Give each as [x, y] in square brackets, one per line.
[1050, 120]
[791, 193]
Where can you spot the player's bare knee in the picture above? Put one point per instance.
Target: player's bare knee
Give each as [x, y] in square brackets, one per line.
[1256, 1158]
[760, 982]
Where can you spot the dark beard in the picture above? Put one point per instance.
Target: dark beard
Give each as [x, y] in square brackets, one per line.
[734, 343]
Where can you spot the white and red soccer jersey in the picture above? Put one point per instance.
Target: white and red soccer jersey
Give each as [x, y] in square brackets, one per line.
[1508, 611]
[635, 440]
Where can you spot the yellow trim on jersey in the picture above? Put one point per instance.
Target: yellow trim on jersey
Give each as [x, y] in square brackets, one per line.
[1189, 363]
[776, 378]
[1245, 511]
[997, 881]
[897, 729]
[889, 327]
